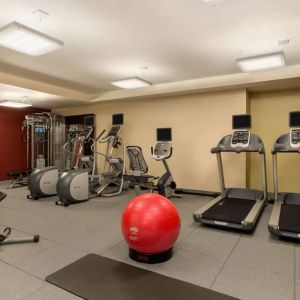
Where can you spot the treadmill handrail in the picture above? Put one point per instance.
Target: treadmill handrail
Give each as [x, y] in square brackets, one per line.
[282, 145]
[224, 145]
[256, 145]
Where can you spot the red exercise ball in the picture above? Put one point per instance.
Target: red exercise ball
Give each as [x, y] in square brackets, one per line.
[150, 224]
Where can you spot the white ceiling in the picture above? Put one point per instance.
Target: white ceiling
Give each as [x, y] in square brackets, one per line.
[37, 99]
[175, 39]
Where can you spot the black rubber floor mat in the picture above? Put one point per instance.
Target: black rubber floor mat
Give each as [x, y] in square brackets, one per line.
[289, 219]
[96, 277]
[229, 210]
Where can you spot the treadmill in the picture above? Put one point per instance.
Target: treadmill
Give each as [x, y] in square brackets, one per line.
[236, 208]
[285, 217]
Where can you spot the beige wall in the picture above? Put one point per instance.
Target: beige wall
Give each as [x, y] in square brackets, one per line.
[270, 120]
[198, 122]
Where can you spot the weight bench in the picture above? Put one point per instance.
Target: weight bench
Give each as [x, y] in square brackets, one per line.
[4, 237]
[138, 166]
[21, 178]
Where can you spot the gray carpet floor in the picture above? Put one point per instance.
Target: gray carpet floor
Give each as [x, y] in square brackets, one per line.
[246, 266]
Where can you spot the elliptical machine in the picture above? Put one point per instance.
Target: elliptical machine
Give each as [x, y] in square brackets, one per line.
[163, 150]
[43, 134]
[74, 186]
[43, 181]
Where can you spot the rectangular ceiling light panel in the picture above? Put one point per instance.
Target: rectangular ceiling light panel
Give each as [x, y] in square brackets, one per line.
[261, 62]
[14, 104]
[131, 83]
[23, 39]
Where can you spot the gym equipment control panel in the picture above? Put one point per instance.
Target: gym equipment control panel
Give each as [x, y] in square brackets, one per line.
[295, 138]
[240, 138]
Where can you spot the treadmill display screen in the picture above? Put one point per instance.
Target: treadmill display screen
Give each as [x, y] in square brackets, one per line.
[295, 119]
[117, 119]
[241, 121]
[164, 134]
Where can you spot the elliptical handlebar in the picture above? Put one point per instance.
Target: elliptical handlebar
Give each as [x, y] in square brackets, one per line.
[72, 140]
[107, 156]
[100, 135]
[86, 134]
[171, 152]
[81, 137]
[97, 139]
[112, 139]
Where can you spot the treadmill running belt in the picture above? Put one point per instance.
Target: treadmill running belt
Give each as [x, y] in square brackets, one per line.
[231, 210]
[289, 219]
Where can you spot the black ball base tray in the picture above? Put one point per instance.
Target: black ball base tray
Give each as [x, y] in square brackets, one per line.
[150, 258]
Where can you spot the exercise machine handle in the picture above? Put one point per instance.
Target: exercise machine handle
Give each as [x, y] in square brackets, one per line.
[214, 150]
[86, 134]
[261, 150]
[238, 150]
[171, 152]
[100, 135]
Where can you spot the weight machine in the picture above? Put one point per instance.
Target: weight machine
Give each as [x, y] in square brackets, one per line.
[44, 135]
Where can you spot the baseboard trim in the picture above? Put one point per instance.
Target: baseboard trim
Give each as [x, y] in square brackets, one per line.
[197, 192]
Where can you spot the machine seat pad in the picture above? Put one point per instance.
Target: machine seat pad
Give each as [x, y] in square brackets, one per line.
[231, 210]
[17, 173]
[289, 219]
[142, 179]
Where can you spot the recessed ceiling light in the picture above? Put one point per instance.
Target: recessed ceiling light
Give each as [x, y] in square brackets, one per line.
[131, 83]
[23, 39]
[14, 104]
[261, 62]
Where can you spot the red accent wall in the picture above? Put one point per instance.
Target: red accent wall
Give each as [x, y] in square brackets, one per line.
[12, 148]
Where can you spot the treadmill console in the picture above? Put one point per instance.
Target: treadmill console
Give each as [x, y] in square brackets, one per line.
[295, 129]
[162, 150]
[114, 132]
[241, 135]
[240, 138]
[295, 138]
